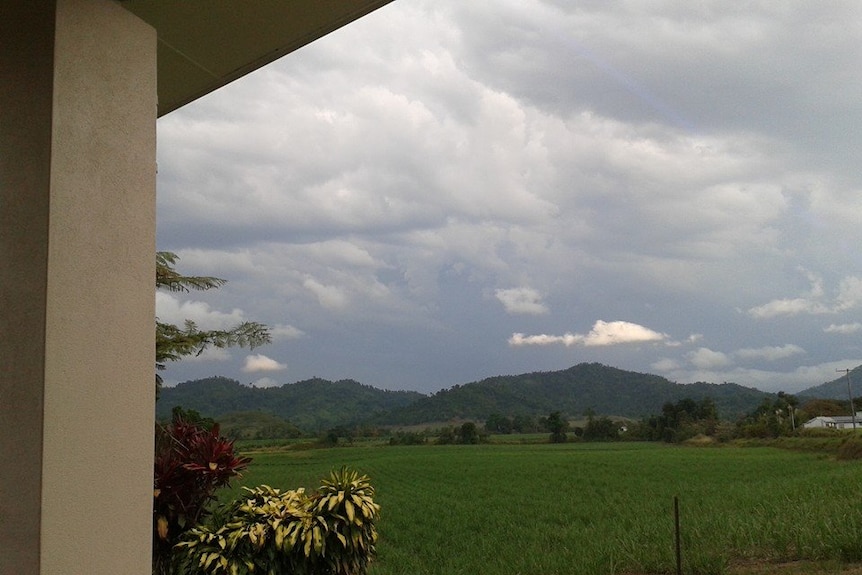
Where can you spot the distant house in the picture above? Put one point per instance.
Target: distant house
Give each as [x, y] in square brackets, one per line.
[834, 422]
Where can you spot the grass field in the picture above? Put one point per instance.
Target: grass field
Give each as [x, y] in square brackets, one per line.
[594, 508]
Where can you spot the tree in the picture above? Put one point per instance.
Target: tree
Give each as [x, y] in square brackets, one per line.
[558, 426]
[815, 407]
[192, 460]
[524, 424]
[497, 423]
[174, 342]
[601, 429]
[771, 418]
[193, 417]
[679, 421]
[468, 433]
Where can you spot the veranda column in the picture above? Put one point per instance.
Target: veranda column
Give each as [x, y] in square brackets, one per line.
[77, 242]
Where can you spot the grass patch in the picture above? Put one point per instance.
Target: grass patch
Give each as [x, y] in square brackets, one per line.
[592, 508]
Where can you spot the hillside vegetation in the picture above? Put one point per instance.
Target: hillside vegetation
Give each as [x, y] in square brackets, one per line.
[585, 387]
[311, 405]
[317, 404]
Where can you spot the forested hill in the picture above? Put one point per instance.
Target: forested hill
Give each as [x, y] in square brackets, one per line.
[312, 405]
[837, 388]
[587, 386]
[318, 404]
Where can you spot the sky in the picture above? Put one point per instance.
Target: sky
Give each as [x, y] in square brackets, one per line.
[445, 191]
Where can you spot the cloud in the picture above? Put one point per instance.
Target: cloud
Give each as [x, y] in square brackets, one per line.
[616, 332]
[265, 382]
[282, 331]
[704, 358]
[522, 300]
[260, 362]
[849, 297]
[329, 296]
[665, 364]
[792, 381]
[209, 354]
[170, 309]
[769, 353]
[603, 334]
[520, 339]
[374, 187]
[781, 307]
[849, 294]
[844, 328]
[692, 338]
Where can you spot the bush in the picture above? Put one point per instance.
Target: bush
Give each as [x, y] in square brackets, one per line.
[819, 432]
[330, 532]
[407, 438]
[851, 448]
[446, 436]
[329, 439]
[191, 463]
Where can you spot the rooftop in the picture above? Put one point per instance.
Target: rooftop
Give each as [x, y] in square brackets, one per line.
[205, 44]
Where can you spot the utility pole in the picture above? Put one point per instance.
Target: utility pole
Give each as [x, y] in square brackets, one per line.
[850, 395]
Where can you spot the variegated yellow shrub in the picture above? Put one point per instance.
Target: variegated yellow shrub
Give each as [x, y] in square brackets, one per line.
[269, 532]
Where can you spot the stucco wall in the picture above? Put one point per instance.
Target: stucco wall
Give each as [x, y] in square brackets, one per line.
[77, 162]
[26, 73]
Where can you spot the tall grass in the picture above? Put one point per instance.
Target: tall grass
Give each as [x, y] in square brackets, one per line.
[591, 508]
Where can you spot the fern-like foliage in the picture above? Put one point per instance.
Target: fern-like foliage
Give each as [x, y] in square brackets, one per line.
[174, 342]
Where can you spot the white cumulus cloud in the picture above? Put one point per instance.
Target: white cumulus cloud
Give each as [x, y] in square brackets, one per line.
[603, 333]
[705, 358]
[793, 306]
[616, 332]
[843, 328]
[330, 297]
[260, 362]
[170, 309]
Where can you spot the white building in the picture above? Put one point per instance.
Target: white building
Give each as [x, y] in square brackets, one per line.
[834, 422]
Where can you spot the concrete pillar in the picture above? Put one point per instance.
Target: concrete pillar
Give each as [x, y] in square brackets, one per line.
[77, 245]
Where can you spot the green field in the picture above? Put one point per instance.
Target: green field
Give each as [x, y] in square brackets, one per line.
[592, 508]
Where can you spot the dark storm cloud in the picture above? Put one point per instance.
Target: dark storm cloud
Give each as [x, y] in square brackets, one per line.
[410, 193]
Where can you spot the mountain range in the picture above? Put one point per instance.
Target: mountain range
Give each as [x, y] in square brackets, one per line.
[317, 404]
[312, 405]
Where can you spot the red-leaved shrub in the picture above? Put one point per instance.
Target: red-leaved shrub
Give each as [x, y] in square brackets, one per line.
[191, 463]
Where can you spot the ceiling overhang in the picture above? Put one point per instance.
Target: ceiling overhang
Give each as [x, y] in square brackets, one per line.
[205, 44]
